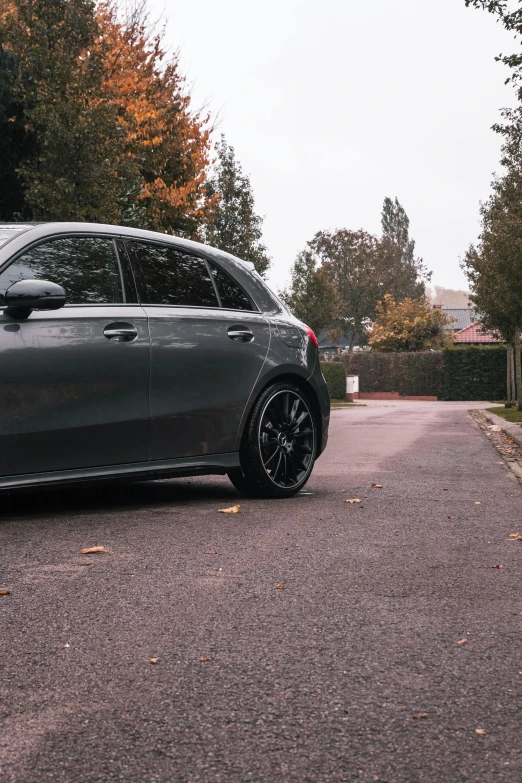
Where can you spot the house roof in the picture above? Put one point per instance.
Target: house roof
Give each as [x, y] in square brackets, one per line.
[464, 317]
[474, 334]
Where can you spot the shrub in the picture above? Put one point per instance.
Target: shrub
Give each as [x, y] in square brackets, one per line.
[475, 373]
[335, 377]
[463, 373]
[420, 373]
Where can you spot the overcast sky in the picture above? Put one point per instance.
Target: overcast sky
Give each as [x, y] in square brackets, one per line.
[333, 105]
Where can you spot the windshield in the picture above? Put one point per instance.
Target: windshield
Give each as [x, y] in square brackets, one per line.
[10, 232]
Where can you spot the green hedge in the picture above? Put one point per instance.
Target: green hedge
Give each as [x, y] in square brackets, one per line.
[475, 373]
[463, 373]
[335, 376]
[411, 374]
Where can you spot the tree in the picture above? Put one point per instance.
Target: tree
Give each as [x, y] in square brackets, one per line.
[494, 267]
[512, 21]
[98, 126]
[235, 226]
[410, 325]
[312, 297]
[405, 272]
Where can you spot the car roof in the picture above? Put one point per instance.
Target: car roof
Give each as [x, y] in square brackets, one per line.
[43, 229]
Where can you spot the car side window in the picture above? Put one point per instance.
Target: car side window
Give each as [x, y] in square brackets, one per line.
[86, 267]
[168, 276]
[231, 294]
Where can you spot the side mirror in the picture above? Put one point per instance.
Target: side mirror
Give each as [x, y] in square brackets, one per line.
[27, 295]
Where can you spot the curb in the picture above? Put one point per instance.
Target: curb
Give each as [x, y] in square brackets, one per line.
[513, 430]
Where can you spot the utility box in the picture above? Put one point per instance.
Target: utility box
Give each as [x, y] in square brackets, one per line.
[352, 387]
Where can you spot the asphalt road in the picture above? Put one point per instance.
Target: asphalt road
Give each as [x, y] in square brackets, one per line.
[318, 681]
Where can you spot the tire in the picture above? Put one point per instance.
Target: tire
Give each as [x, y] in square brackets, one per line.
[279, 445]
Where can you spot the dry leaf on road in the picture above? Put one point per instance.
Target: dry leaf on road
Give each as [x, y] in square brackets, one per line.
[93, 550]
[477, 502]
[419, 715]
[353, 500]
[279, 587]
[480, 731]
[203, 659]
[5, 592]
[231, 510]
[514, 535]
[451, 517]
[377, 486]
[211, 553]
[445, 489]
[154, 660]
[497, 566]
[462, 641]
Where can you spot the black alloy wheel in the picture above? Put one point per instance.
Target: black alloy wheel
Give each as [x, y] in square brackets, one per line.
[279, 446]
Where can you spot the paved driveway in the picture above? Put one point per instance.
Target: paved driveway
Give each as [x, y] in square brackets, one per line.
[318, 681]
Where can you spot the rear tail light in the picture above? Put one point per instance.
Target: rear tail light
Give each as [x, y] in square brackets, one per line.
[311, 335]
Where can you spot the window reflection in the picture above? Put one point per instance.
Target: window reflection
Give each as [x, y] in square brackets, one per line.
[170, 277]
[86, 267]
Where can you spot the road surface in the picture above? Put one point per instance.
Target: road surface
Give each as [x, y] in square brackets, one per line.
[351, 671]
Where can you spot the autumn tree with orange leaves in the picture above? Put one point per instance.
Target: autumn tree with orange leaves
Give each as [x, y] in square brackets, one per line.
[96, 123]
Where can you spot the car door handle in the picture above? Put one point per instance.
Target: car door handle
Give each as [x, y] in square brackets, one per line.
[120, 332]
[240, 333]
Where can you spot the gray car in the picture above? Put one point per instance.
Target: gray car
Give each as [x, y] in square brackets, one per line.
[133, 354]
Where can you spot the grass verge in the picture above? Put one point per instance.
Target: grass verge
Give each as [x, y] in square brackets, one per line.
[509, 414]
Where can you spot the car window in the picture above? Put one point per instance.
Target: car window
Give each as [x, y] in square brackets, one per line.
[86, 267]
[168, 276]
[231, 294]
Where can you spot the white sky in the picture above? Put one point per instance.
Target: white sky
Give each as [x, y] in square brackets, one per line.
[333, 105]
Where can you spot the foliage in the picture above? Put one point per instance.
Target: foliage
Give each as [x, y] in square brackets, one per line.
[494, 267]
[234, 227]
[312, 297]
[410, 325]
[335, 377]
[512, 21]
[341, 275]
[475, 373]
[102, 128]
[409, 374]
[470, 373]
[404, 268]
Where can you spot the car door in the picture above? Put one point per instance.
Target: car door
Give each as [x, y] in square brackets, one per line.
[205, 357]
[74, 390]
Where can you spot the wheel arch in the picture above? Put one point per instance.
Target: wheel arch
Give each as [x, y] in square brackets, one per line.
[303, 384]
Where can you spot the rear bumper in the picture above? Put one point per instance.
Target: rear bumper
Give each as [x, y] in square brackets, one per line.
[318, 383]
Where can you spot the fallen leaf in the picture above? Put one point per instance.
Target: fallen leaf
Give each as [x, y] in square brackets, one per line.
[153, 660]
[462, 641]
[377, 486]
[211, 553]
[497, 566]
[354, 500]
[480, 731]
[451, 517]
[5, 592]
[231, 510]
[93, 550]
[343, 490]
[514, 535]
[203, 659]
[477, 502]
[279, 587]
[445, 489]
[419, 715]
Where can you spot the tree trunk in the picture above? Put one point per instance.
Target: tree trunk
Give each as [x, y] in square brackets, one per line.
[518, 371]
[513, 385]
[509, 359]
